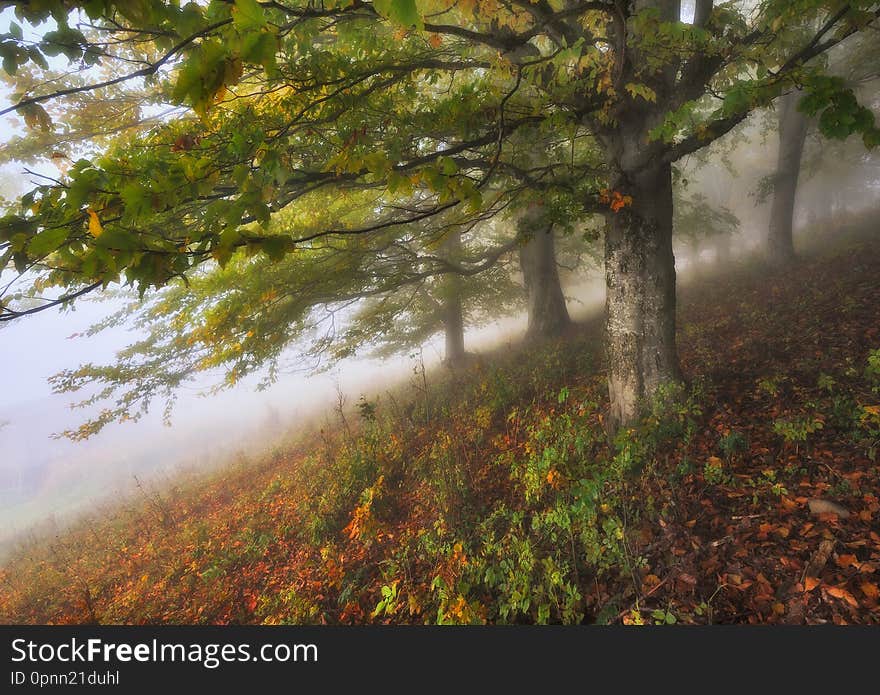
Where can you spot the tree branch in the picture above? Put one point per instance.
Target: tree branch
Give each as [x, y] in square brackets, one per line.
[711, 132]
[7, 314]
[143, 72]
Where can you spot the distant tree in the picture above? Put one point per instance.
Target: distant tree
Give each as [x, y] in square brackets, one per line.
[792, 136]
[851, 65]
[698, 221]
[547, 312]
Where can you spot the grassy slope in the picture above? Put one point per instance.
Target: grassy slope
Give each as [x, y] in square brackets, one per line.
[501, 500]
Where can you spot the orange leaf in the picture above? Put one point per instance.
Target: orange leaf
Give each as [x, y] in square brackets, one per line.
[840, 592]
[810, 583]
[870, 590]
[436, 40]
[846, 560]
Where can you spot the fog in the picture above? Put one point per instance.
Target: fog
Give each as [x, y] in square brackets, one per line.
[45, 481]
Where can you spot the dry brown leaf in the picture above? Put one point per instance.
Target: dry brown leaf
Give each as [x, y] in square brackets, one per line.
[846, 560]
[870, 590]
[841, 593]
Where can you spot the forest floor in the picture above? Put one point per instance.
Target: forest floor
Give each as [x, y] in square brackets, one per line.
[750, 496]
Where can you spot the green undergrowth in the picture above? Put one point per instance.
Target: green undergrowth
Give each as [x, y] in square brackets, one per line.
[489, 495]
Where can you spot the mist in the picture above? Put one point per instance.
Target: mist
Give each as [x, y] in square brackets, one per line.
[46, 481]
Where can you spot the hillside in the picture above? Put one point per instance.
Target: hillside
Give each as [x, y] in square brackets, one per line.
[494, 495]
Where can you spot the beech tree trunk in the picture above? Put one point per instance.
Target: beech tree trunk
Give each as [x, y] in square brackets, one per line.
[452, 314]
[548, 314]
[792, 134]
[640, 295]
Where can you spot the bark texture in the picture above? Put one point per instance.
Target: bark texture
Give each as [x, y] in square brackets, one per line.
[548, 314]
[792, 134]
[640, 295]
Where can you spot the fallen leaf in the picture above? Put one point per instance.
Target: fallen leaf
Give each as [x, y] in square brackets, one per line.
[870, 590]
[846, 560]
[819, 506]
[811, 583]
[841, 593]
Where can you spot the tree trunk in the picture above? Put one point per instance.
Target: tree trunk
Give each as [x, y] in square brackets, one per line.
[792, 134]
[548, 314]
[640, 295]
[451, 313]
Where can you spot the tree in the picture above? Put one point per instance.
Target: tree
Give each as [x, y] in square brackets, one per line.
[398, 97]
[854, 63]
[696, 220]
[547, 313]
[792, 135]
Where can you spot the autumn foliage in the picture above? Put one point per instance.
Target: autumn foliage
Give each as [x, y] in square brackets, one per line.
[751, 496]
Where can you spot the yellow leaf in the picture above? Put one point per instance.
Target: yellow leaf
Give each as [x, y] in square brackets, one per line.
[95, 228]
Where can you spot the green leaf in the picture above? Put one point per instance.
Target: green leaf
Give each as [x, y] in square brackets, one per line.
[136, 201]
[248, 15]
[275, 247]
[448, 166]
[402, 12]
[65, 40]
[46, 242]
[260, 48]
[405, 12]
[119, 239]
